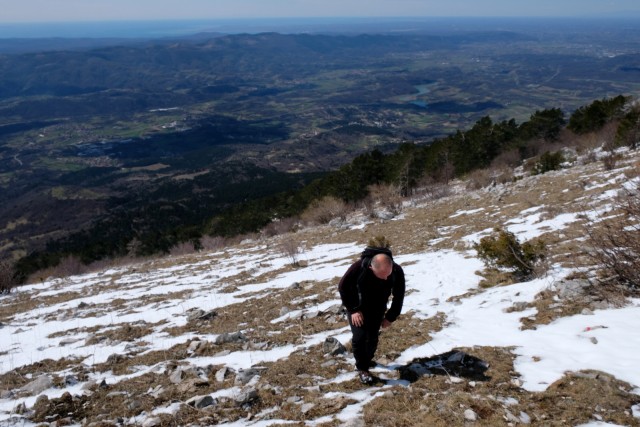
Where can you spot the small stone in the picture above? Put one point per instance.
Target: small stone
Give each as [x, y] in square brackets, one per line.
[294, 286]
[294, 399]
[333, 347]
[593, 340]
[245, 375]
[469, 415]
[71, 380]
[586, 312]
[200, 402]
[307, 407]
[177, 376]
[6, 394]
[510, 417]
[516, 382]
[456, 380]
[37, 386]
[221, 374]
[525, 418]
[192, 385]
[472, 383]
[157, 391]
[194, 346]
[247, 396]
[68, 341]
[235, 337]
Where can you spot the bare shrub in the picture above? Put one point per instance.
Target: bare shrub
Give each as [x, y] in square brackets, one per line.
[280, 226]
[615, 242]
[510, 159]
[69, 266]
[479, 178]
[609, 161]
[213, 243]
[7, 277]
[388, 196]
[324, 210]
[184, 248]
[292, 250]
[431, 189]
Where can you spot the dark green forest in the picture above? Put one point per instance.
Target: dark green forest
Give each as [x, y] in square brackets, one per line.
[185, 211]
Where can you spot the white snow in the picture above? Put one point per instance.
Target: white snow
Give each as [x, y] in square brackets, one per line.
[607, 340]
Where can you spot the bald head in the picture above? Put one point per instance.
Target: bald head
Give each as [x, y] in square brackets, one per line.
[382, 266]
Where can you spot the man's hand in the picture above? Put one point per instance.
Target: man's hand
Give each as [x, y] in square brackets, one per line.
[385, 324]
[357, 319]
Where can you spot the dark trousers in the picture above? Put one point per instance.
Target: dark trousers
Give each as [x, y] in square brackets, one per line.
[365, 340]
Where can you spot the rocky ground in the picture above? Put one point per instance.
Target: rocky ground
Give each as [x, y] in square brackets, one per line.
[255, 335]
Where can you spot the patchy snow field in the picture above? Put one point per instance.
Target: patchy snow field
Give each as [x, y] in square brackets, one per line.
[71, 319]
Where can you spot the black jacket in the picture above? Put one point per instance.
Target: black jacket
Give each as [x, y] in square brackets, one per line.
[368, 294]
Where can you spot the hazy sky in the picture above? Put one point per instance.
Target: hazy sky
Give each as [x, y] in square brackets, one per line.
[98, 10]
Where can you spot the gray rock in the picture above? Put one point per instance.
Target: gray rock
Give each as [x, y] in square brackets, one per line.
[221, 374]
[194, 314]
[335, 309]
[177, 376]
[333, 347]
[37, 386]
[157, 391]
[510, 417]
[6, 394]
[246, 396]
[234, 337]
[329, 364]
[209, 315]
[259, 346]
[192, 385]
[294, 399]
[307, 407]
[71, 380]
[586, 312]
[572, 289]
[115, 358]
[294, 286]
[245, 375]
[525, 418]
[194, 346]
[469, 415]
[68, 341]
[200, 402]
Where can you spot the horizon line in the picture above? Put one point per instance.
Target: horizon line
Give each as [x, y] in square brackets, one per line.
[621, 14]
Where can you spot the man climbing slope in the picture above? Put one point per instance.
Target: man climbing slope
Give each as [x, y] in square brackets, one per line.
[365, 289]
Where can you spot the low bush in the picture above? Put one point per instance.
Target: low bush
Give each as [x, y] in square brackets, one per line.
[549, 161]
[614, 241]
[503, 250]
[388, 197]
[7, 277]
[325, 210]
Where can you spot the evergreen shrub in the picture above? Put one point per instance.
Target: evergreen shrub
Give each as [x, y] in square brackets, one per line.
[503, 250]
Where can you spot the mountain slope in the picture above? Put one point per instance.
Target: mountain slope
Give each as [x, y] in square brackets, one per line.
[245, 332]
